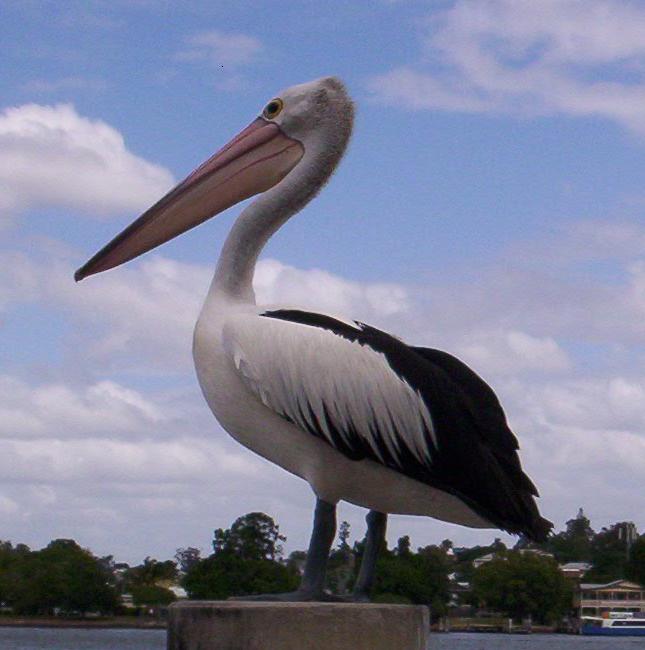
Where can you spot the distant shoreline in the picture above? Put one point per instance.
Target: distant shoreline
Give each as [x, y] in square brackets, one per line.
[129, 623]
[122, 622]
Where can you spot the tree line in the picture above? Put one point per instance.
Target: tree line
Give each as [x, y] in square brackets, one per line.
[248, 558]
[610, 551]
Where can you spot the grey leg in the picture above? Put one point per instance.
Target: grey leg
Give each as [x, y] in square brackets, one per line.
[375, 539]
[313, 580]
[322, 538]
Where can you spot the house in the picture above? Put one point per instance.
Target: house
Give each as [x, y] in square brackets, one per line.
[575, 570]
[535, 551]
[179, 592]
[617, 596]
[478, 561]
[459, 595]
[127, 601]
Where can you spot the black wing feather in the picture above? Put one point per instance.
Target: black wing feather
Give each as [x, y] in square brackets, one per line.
[483, 406]
[476, 454]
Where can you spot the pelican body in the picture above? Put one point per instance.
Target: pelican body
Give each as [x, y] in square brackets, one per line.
[357, 413]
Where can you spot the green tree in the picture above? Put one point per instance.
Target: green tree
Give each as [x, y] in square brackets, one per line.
[635, 568]
[446, 545]
[151, 572]
[608, 555]
[86, 582]
[470, 554]
[340, 567]
[34, 586]
[296, 560]
[187, 557]
[254, 536]
[520, 585]
[463, 560]
[343, 536]
[575, 543]
[148, 582]
[406, 577]
[10, 556]
[403, 546]
[151, 595]
[223, 575]
[244, 562]
[61, 576]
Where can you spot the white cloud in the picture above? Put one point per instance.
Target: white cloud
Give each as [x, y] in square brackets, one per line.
[83, 445]
[51, 461]
[50, 156]
[136, 316]
[636, 295]
[586, 437]
[594, 239]
[228, 53]
[19, 281]
[317, 289]
[60, 411]
[143, 315]
[574, 57]
[605, 404]
[8, 506]
[221, 48]
[511, 352]
[567, 287]
[80, 462]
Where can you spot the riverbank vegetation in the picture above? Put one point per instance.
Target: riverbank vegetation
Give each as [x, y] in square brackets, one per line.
[247, 558]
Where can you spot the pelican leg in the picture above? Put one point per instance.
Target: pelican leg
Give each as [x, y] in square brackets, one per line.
[375, 539]
[313, 579]
[322, 537]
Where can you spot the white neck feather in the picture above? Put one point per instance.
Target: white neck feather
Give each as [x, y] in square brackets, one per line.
[256, 224]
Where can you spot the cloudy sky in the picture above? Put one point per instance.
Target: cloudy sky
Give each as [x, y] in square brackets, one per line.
[492, 204]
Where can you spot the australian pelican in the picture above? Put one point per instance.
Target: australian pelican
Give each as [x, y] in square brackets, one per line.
[357, 413]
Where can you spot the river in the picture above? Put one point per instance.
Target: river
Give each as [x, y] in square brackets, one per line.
[12, 638]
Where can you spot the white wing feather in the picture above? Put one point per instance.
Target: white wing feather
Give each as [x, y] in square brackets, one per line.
[302, 372]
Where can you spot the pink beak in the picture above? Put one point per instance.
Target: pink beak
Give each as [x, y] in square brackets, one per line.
[255, 160]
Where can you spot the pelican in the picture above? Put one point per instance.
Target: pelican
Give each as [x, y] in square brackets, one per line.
[357, 413]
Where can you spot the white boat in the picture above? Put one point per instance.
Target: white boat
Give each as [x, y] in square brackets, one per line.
[614, 624]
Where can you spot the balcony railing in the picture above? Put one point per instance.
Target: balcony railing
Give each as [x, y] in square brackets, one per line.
[588, 602]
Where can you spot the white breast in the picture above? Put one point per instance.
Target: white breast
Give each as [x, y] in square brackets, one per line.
[243, 414]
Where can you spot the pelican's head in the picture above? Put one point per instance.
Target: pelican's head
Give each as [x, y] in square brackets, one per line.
[312, 112]
[314, 118]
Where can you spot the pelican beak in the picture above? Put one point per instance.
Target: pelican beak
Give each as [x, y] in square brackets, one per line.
[255, 160]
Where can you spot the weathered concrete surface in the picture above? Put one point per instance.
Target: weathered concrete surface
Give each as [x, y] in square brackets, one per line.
[230, 625]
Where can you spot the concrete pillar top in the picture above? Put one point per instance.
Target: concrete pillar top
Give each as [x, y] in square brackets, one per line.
[239, 625]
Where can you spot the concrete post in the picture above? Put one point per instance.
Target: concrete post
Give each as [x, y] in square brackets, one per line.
[235, 625]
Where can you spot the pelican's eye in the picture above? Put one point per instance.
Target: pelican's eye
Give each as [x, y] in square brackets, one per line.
[273, 108]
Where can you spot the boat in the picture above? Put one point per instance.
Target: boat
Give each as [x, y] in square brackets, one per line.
[614, 624]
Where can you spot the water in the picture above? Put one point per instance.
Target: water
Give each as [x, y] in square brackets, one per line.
[468, 641]
[30, 638]
[83, 639]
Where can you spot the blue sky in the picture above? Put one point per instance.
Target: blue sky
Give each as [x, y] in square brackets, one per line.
[491, 204]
